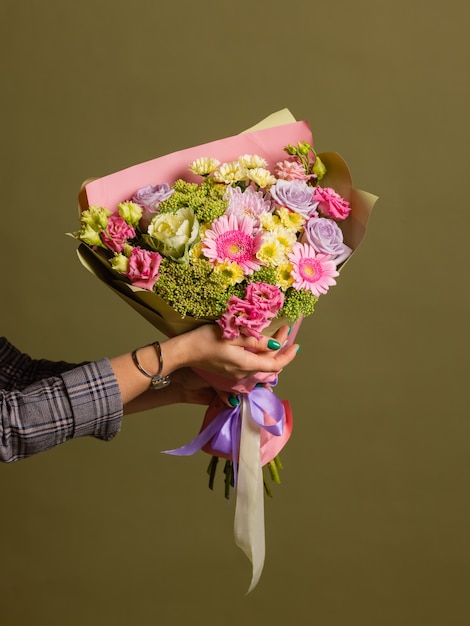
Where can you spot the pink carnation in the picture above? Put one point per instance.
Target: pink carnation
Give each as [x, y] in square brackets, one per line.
[143, 268]
[253, 314]
[292, 169]
[266, 297]
[243, 318]
[331, 204]
[117, 233]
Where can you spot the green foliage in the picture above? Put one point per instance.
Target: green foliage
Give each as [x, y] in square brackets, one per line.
[194, 290]
[264, 275]
[297, 303]
[206, 199]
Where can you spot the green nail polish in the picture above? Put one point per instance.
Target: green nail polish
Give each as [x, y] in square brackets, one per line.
[273, 344]
[298, 348]
[234, 401]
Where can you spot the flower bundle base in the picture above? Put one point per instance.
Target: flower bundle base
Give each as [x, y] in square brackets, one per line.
[237, 433]
[277, 242]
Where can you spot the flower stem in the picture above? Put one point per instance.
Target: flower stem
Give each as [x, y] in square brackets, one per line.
[267, 488]
[272, 467]
[229, 478]
[211, 470]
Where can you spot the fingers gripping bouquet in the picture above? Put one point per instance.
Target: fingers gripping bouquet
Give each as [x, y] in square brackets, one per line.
[247, 233]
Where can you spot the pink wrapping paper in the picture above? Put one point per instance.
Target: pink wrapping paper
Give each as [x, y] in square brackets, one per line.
[268, 143]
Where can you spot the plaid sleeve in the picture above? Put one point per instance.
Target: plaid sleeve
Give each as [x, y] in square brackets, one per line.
[84, 401]
[18, 370]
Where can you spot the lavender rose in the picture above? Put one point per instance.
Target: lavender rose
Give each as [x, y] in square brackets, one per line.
[325, 236]
[295, 195]
[149, 197]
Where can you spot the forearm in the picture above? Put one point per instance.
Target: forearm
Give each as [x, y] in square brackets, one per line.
[175, 353]
[151, 399]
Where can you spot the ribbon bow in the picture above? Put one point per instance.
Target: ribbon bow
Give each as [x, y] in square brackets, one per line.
[224, 431]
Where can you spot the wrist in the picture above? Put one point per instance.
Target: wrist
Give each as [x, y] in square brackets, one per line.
[176, 353]
[142, 356]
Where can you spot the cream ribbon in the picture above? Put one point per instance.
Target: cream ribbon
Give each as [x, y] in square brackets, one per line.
[249, 510]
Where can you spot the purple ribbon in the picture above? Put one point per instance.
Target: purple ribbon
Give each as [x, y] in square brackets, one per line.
[224, 431]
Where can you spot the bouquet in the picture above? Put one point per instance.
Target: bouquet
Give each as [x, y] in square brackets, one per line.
[247, 233]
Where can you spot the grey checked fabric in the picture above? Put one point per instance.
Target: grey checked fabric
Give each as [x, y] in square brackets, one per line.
[45, 403]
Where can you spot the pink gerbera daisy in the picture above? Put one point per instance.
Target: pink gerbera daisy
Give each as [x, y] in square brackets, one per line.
[312, 271]
[232, 238]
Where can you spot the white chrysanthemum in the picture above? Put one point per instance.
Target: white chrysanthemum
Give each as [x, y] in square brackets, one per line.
[251, 161]
[271, 253]
[261, 176]
[229, 173]
[204, 166]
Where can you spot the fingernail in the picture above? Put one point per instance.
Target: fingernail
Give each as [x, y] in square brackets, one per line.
[288, 331]
[233, 401]
[259, 385]
[273, 344]
[298, 348]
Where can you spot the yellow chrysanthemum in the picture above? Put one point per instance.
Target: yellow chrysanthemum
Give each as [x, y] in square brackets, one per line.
[290, 219]
[204, 166]
[284, 276]
[230, 271]
[202, 229]
[261, 176]
[229, 173]
[286, 237]
[195, 252]
[269, 221]
[251, 161]
[271, 253]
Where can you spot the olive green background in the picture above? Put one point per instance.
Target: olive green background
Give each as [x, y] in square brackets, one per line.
[370, 526]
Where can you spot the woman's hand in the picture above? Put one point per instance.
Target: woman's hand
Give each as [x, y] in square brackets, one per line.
[189, 388]
[205, 349]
